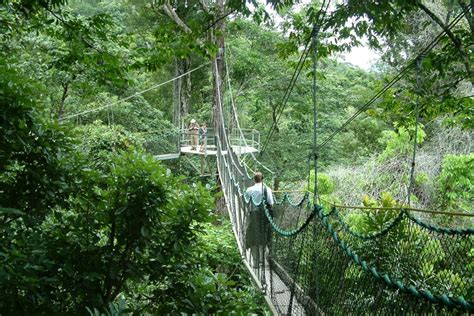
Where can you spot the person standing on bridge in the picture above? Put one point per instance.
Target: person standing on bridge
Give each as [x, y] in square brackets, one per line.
[193, 130]
[203, 137]
[258, 232]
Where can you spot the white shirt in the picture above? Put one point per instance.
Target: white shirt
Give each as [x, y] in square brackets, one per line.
[256, 192]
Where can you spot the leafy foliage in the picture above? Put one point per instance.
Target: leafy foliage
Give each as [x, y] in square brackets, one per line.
[34, 170]
[325, 184]
[212, 279]
[80, 233]
[399, 143]
[456, 182]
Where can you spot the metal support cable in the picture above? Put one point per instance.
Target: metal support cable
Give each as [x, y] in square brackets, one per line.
[134, 95]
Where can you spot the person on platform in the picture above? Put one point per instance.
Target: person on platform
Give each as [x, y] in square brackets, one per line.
[193, 130]
[203, 137]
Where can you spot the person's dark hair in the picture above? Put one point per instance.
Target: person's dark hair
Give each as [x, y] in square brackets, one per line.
[258, 177]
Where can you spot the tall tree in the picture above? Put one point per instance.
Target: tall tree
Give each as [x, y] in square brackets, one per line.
[218, 64]
[178, 12]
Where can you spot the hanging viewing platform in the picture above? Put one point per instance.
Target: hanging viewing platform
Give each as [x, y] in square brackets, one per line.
[173, 145]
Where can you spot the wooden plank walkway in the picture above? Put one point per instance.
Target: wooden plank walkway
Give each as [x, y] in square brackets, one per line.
[281, 294]
[277, 286]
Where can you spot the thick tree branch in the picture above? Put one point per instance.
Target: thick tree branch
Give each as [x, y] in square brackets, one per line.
[204, 5]
[438, 21]
[219, 19]
[469, 11]
[168, 9]
[456, 41]
[63, 99]
[450, 11]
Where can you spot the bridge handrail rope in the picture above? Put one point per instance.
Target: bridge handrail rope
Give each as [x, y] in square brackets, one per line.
[403, 212]
[134, 95]
[230, 153]
[440, 230]
[399, 208]
[390, 281]
[287, 198]
[381, 208]
[222, 129]
[287, 233]
[374, 235]
[234, 160]
[407, 211]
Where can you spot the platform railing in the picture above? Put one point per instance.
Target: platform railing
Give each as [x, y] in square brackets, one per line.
[251, 139]
[161, 142]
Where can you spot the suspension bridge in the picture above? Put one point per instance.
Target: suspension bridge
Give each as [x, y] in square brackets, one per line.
[309, 259]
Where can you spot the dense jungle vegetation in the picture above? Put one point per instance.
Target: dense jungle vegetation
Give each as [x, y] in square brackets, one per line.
[91, 223]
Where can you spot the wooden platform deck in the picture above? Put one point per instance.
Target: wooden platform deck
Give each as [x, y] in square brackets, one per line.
[212, 151]
[167, 156]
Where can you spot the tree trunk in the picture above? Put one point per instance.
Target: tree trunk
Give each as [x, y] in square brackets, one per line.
[63, 99]
[217, 36]
[218, 64]
[182, 90]
[274, 115]
[177, 96]
[186, 91]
